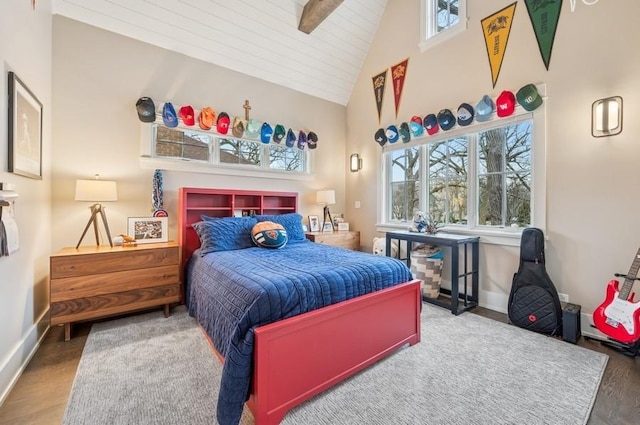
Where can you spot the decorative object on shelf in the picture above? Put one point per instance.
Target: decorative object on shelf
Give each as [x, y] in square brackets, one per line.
[238, 127]
[25, 130]
[146, 109]
[187, 115]
[326, 197]
[247, 108]
[496, 30]
[169, 117]
[379, 82]
[312, 140]
[398, 75]
[505, 104]
[128, 240]
[355, 163]
[484, 109]
[149, 229]
[157, 195]
[528, 97]
[314, 223]
[544, 17]
[206, 118]
[96, 191]
[606, 117]
[423, 223]
[381, 137]
[222, 125]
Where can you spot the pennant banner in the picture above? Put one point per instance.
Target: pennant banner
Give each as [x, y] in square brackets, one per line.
[379, 82]
[496, 29]
[544, 16]
[398, 74]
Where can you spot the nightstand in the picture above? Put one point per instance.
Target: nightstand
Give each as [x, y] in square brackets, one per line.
[98, 281]
[346, 239]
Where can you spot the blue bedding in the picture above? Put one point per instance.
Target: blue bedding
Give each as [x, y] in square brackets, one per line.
[232, 292]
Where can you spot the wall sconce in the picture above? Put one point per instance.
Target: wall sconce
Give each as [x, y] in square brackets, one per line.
[355, 163]
[606, 117]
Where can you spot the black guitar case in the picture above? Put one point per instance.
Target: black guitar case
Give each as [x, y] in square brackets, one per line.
[533, 302]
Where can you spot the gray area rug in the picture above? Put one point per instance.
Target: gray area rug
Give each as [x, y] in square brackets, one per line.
[467, 370]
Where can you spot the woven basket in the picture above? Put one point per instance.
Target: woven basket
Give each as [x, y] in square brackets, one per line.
[428, 270]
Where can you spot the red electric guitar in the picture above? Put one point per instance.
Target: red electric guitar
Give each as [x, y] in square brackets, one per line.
[618, 316]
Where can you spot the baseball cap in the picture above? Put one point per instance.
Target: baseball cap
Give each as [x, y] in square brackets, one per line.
[146, 109]
[505, 104]
[392, 133]
[380, 137]
[278, 133]
[312, 140]
[446, 120]
[529, 97]
[484, 109]
[404, 132]
[222, 126]
[431, 124]
[465, 114]
[302, 139]
[415, 125]
[265, 133]
[238, 127]
[206, 118]
[291, 138]
[253, 129]
[187, 116]
[169, 116]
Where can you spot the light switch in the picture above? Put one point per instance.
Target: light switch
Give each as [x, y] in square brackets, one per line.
[357, 205]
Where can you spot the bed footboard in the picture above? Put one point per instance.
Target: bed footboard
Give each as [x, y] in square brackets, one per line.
[299, 357]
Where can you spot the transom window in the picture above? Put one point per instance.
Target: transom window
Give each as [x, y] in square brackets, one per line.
[200, 147]
[442, 19]
[478, 179]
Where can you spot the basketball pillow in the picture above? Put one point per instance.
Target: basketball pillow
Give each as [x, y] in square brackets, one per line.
[268, 234]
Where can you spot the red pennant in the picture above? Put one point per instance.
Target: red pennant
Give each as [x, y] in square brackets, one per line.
[398, 74]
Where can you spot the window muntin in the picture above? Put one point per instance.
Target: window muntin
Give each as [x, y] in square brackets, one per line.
[239, 152]
[446, 15]
[171, 143]
[404, 177]
[448, 169]
[286, 159]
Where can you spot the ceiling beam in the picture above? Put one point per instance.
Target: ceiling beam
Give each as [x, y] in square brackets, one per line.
[316, 11]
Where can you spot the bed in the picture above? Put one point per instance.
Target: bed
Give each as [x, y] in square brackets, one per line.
[288, 345]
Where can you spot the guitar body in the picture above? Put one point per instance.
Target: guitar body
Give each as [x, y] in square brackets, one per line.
[617, 317]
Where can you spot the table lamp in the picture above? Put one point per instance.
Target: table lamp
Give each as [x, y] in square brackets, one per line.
[96, 191]
[326, 197]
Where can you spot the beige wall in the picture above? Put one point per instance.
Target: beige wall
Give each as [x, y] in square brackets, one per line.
[592, 184]
[25, 48]
[98, 77]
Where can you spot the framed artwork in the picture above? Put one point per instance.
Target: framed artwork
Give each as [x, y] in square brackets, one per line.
[327, 227]
[25, 130]
[148, 229]
[314, 223]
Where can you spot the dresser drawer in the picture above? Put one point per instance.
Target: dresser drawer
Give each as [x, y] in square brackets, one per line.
[349, 240]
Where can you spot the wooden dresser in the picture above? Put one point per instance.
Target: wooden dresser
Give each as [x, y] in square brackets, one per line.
[92, 282]
[346, 239]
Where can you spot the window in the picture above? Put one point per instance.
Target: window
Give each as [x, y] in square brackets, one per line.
[478, 179]
[441, 20]
[206, 148]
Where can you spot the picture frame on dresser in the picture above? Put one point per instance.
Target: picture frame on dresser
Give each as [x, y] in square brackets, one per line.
[148, 229]
[314, 223]
[327, 226]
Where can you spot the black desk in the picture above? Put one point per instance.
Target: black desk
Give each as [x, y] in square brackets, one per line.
[459, 302]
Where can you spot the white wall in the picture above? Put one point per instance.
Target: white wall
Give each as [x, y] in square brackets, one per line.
[98, 77]
[592, 184]
[25, 48]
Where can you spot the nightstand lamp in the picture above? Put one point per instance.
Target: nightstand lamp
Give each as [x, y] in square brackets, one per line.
[326, 197]
[96, 191]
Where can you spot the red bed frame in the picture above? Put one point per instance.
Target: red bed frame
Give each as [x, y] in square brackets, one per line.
[297, 358]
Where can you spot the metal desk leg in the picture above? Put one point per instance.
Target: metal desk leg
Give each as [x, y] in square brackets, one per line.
[475, 269]
[455, 277]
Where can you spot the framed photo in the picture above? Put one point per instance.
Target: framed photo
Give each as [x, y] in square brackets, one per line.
[343, 226]
[327, 227]
[314, 223]
[25, 130]
[149, 229]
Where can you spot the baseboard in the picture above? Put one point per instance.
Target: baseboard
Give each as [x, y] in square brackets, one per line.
[17, 360]
[493, 301]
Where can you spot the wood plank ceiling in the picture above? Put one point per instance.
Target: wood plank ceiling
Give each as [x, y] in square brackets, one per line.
[255, 37]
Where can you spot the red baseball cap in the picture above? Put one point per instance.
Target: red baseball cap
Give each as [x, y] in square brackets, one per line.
[505, 104]
[187, 116]
[222, 126]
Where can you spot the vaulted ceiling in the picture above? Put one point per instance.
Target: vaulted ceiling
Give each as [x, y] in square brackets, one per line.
[255, 37]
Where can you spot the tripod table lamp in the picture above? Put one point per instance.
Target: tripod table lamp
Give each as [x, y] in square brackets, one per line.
[96, 191]
[326, 197]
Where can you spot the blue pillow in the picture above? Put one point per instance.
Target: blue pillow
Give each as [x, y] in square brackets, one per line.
[224, 234]
[292, 223]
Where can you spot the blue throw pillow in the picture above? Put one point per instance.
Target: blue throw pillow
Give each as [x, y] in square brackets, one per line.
[292, 223]
[226, 234]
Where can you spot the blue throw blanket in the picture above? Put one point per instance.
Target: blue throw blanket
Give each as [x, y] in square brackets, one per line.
[232, 292]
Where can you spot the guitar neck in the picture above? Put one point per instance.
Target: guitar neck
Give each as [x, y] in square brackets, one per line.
[630, 277]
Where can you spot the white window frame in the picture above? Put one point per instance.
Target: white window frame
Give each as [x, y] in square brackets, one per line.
[429, 37]
[501, 236]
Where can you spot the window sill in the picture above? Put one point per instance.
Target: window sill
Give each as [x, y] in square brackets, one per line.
[504, 237]
[148, 163]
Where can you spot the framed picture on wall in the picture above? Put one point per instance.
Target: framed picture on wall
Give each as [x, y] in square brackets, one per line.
[148, 229]
[25, 130]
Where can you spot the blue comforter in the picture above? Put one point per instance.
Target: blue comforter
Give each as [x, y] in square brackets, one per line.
[232, 292]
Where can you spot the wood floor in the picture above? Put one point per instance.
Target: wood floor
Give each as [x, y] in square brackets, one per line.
[40, 395]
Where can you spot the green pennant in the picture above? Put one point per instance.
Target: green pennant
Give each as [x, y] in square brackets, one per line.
[544, 16]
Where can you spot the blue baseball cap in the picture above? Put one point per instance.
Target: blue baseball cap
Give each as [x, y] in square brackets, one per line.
[169, 116]
[446, 119]
[392, 133]
[431, 124]
[381, 137]
[416, 127]
[265, 133]
[302, 139]
[484, 109]
[291, 139]
[465, 114]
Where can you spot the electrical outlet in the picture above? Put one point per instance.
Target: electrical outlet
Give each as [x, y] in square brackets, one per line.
[564, 298]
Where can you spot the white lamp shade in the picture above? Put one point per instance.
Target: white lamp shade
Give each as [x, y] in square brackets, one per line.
[326, 197]
[96, 190]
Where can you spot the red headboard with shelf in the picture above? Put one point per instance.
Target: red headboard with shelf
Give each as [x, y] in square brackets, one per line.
[194, 202]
